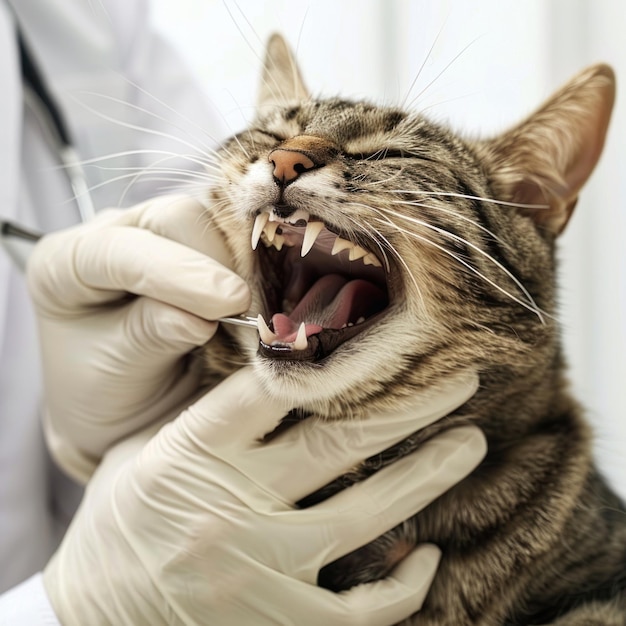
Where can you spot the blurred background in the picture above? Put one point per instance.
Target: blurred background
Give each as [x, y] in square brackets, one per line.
[480, 66]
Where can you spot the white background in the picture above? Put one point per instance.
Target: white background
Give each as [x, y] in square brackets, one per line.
[481, 66]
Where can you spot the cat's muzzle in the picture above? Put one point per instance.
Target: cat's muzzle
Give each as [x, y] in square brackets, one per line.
[320, 288]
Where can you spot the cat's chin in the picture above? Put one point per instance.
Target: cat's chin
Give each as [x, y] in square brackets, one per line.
[308, 387]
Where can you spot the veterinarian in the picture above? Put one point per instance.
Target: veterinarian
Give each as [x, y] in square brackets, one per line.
[194, 522]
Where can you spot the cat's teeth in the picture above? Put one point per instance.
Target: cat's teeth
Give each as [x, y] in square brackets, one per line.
[341, 244]
[271, 339]
[270, 229]
[278, 242]
[259, 224]
[267, 224]
[266, 335]
[360, 320]
[370, 259]
[357, 253]
[301, 341]
[313, 229]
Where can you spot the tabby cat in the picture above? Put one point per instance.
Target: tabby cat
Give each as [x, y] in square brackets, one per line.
[384, 253]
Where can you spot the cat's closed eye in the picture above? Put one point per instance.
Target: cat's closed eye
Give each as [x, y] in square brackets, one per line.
[378, 155]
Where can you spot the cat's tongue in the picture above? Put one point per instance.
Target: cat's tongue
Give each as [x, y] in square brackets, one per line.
[286, 329]
[333, 301]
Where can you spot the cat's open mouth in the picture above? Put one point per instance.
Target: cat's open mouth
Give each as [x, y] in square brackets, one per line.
[320, 289]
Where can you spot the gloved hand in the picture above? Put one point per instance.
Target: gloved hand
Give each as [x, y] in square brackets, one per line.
[196, 524]
[112, 363]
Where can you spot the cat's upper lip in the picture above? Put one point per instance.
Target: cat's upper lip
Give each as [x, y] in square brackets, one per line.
[321, 289]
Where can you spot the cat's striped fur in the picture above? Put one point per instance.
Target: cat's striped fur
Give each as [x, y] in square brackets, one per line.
[464, 231]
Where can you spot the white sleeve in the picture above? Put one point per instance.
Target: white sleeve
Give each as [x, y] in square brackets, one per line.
[27, 605]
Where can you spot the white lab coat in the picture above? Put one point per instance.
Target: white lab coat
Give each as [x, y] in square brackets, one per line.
[104, 47]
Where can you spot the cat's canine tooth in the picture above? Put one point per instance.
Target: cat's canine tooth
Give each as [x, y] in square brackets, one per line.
[270, 230]
[357, 253]
[370, 259]
[313, 229]
[341, 244]
[259, 224]
[266, 335]
[301, 341]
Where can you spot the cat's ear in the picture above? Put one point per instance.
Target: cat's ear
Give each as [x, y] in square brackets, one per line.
[546, 159]
[281, 82]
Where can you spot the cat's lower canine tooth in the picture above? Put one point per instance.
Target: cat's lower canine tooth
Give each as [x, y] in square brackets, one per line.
[301, 341]
[266, 335]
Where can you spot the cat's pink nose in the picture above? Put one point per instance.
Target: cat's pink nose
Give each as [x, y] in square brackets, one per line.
[300, 154]
[289, 164]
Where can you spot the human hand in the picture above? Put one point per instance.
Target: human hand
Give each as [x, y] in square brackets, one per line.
[112, 362]
[197, 524]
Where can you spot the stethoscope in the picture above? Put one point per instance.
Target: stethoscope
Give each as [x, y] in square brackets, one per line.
[16, 239]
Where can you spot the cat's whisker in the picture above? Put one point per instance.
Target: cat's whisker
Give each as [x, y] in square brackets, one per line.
[529, 305]
[134, 177]
[181, 174]
[205, 222]
[452, 194]
[382, 181]
[442, 72]
[373, 235]
[195, 159]
[247, 21]
[423, 65]
[197, 146]
[235, 138]
[457, 215]
[203, 131]
[471, 245]
[156, 169]
[378, 154]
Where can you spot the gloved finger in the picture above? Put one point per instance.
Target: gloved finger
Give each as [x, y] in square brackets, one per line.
[311, 454]
[160, 331]
[184, 220]
[396, 597]
[100, 265]
[370, 508]
[233, 414]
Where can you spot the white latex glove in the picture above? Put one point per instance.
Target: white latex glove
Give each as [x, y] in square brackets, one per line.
[196, 525]
[113, 363]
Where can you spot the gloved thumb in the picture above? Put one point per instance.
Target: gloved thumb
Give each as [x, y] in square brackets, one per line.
[400, 595]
